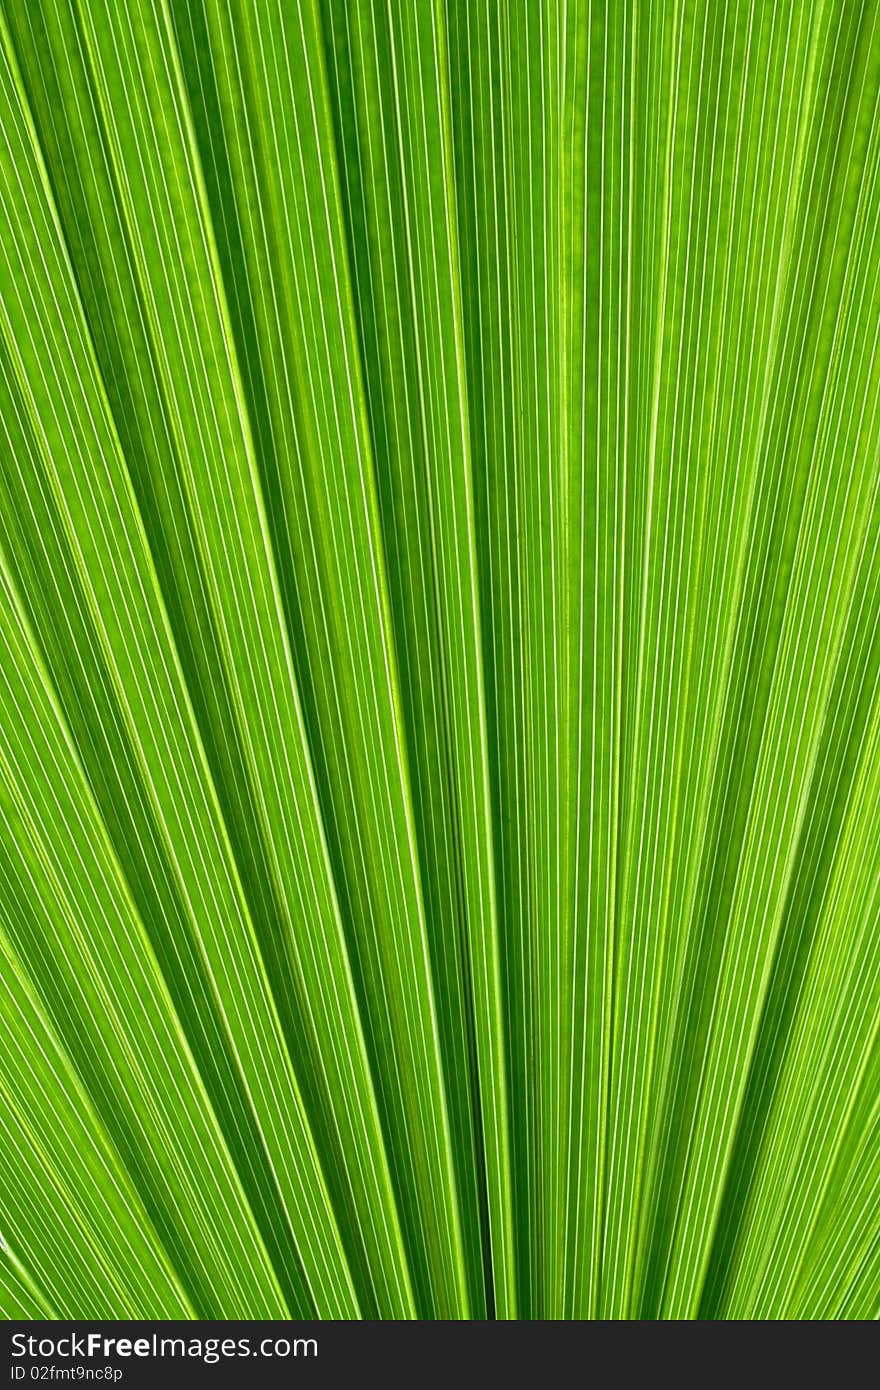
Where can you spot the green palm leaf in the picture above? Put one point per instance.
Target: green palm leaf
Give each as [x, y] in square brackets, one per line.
[439, 659]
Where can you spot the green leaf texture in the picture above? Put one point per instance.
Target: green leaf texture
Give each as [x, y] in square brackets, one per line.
[440, 659]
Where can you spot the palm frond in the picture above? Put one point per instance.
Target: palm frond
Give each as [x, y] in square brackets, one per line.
[440, 659]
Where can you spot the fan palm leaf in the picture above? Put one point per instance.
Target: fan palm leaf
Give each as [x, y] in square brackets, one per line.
[440, 659]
